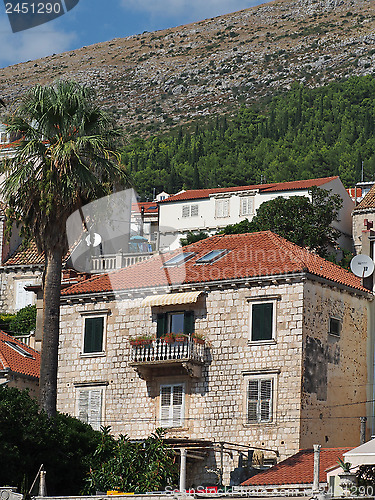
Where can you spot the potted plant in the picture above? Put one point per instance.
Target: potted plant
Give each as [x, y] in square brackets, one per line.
[198, 338]
[181, 337]
[141, 340]
[169, 338]
[347, 478]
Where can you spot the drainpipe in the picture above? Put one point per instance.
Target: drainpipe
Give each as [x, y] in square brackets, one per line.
[316, 468]
[182, 469]
[363, 429]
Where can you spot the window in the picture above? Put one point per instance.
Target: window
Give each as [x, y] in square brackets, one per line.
[175, 322]
[212, 256]
[334, 326]
[179, 259]
[247, 205]
[222, 208]
[262, 321]
[23, 297]
[90, 403]
[259, 400]
[93, 337]
[19, 349]
[190, 210]
[172, 405]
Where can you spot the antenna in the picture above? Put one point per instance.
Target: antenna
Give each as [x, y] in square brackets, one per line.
[362, 266]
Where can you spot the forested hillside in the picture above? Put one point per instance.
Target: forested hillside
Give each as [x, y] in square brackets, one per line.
[303, 133]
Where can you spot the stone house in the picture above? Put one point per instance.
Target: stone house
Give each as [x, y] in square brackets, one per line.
[286, 351]
[19, 364]
[210, 210]
[363, 224]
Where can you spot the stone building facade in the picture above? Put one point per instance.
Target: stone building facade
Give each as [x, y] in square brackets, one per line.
[284, 330]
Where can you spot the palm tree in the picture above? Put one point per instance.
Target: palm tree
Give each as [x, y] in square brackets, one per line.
[64, 160]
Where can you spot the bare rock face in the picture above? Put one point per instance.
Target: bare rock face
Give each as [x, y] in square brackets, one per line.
[155, 80]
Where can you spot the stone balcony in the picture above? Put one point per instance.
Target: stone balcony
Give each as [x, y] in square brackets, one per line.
[106, 263]
[162, 358]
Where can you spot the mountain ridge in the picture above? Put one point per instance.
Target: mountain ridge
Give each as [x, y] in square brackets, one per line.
[159, 79]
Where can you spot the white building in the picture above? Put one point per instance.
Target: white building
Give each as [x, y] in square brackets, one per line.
[210, 210]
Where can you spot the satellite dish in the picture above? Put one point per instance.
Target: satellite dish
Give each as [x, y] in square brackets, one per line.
[362, 266]
[93, 239]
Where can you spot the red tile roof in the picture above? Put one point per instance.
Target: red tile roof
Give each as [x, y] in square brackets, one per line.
[16, 362]
[250, 255]
[368, 201]
[25, 256]
[194, 194]
[151, 207]
[298, 469]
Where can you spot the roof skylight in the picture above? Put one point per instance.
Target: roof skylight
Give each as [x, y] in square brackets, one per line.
[19, 349]
[212, 256]
[179, 259]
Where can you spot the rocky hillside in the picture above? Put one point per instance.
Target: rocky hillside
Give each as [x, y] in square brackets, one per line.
[158, 79]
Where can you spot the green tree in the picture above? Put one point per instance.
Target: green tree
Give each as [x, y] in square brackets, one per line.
[304, 222]
[64, 160]
[28, 438]
[193, 237]
[135, 467]
[23, 321]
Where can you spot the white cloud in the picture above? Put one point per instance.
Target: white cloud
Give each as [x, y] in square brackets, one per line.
[31, 44]
[189, 10]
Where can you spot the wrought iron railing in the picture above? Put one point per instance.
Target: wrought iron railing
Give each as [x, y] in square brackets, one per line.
[160, 350]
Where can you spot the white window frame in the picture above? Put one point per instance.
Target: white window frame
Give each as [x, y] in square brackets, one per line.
[172, 422]
[91, 417]
[222, 208]
[266, 300]
[259, 377]
[94, 314]
[28, 298]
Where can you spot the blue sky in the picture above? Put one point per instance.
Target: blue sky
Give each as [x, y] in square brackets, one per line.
[93, 21]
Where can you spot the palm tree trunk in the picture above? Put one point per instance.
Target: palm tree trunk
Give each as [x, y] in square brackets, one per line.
[50, 339]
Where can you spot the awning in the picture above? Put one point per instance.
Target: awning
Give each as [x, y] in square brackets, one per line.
[362, 455]
[170, 299]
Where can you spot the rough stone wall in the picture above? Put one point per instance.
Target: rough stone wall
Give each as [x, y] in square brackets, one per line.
[359, 227]
[215, 405]
[22, 383]
[8, 282]
[335, 367]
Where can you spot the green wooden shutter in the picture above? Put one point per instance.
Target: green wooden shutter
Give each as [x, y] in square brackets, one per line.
[161, 329]
[262, 321]
[93, 335]
[188, 322]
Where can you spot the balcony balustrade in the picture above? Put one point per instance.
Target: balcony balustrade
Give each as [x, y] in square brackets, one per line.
[176, 357]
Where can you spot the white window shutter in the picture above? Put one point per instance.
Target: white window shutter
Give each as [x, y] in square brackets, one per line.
[185, 211]
[23, 297]
[178, 405]
[252, 401]
[83, 406]
[90, 407]
[194, 210]
[265, 400]
[172, 405]
[95, 407]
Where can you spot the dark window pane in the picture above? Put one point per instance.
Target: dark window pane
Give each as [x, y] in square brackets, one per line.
[188, 322]
[93, 335]
[161, 325]
[334, 326]
[262, 321]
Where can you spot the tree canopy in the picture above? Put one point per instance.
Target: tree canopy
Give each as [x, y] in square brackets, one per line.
[308, 223]
[299, 134]
[63, 160]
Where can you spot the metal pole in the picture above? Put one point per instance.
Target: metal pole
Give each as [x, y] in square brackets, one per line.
[363, 429]
[316, 468]
[42, 484]
[182, 469]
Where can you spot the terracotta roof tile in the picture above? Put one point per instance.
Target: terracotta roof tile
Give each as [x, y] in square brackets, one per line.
[25, 256]
[194, 194]
[249, 255]
[368, 201]
[298, 469]
[13, 360]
